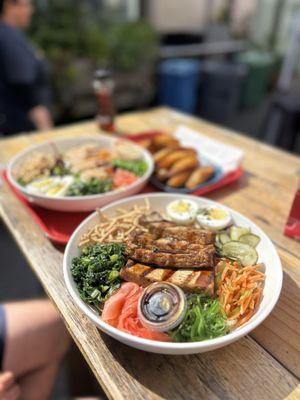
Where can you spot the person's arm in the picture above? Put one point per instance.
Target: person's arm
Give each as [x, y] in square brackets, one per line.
[37, 112]
[40, 114]
[8, 388]
[20, 70]
[41, 117]
[36, 341]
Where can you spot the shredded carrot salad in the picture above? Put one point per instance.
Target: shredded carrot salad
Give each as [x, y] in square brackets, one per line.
[239, 290]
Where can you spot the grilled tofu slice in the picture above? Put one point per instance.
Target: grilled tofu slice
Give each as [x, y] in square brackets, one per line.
[194, 281]
[135, 273]
[189, 280]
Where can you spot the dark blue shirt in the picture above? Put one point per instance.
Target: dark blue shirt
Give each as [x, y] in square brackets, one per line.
[2, 335]
[23, 81]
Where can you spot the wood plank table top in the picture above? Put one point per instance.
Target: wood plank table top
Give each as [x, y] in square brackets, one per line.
[264, 365]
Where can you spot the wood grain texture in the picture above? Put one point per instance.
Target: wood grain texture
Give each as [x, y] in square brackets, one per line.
[265, 365]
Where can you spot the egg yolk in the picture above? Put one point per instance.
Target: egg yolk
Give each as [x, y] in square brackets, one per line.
[216, 213]
[181, 207]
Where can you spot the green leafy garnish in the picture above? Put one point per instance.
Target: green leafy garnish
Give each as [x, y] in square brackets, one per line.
[203, 320]
[59, 170]
[137, 167]
[94, 186]
[21, 182]
[96, 271]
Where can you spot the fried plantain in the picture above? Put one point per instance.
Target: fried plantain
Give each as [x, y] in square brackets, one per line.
[179, 179]
[171, 158]
[161, 174]
[200, 175]
[165, 140]
[162, 153]
[184, 164]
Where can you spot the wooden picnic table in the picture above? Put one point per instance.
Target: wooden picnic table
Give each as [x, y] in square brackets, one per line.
[263, 365]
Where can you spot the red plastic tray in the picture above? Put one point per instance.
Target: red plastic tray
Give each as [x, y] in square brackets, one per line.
[58, 226]
[225, 180]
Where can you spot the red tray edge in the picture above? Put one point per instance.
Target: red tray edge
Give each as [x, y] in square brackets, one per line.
[38, 220]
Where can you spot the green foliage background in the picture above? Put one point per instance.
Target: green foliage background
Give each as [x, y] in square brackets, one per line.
[68, 29]
[79, 36]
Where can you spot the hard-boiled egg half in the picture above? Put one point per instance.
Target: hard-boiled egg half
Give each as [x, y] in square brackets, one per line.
[60, 188]
[182, 211]
[213, 218]
[51, 186]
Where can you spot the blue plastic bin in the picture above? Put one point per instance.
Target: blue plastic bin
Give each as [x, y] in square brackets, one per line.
[220, 89]
[178, 84]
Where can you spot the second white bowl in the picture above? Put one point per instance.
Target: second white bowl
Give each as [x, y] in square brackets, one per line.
[78, 203]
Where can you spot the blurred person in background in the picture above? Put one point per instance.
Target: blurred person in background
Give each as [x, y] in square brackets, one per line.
[24, 78]
[33, 341]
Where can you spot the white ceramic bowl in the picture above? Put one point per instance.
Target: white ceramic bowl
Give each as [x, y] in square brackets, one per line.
[267, 254]
[78, 203]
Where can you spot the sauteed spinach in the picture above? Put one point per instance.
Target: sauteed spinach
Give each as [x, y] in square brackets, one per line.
[96, 271]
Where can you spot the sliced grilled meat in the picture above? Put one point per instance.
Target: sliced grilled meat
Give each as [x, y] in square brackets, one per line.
[148, 241]
[192, 235]
[189, 280]
[154, 217]
[202, 258]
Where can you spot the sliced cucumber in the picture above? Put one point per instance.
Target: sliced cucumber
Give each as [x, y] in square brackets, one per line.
[250, 239]
[246, 254]
[218, 242]
[236, 232]
[224, 238]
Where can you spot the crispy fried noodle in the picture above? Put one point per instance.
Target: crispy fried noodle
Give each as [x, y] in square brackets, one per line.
[118, 228]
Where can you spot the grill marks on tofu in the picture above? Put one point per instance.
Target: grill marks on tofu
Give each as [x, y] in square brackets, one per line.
[194, 281]
[188, 280]
[171, 246]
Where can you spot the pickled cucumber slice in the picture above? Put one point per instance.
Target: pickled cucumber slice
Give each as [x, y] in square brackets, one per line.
[224, 238]
[218, 242]
[250, 239]
[236, 232]
[243, 252]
